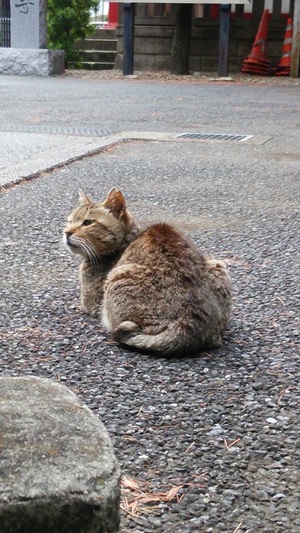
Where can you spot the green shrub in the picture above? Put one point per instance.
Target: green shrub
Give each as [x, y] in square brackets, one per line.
[69, 21]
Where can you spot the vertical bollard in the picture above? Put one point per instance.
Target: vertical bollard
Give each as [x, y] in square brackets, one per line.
[128, 39]
[223, 39]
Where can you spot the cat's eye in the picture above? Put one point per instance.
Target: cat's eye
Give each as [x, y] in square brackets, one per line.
[87, 222]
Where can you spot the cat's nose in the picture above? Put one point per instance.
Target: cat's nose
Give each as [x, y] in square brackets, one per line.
[67, 235]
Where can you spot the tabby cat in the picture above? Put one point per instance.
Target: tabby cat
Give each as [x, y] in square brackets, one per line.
[156, 291]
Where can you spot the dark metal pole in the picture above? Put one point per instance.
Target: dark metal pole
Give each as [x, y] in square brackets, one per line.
[224, 40]
[295, 58]
[128, 39]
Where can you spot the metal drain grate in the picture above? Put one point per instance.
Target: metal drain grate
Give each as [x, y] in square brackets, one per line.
[54, 130]
[215, 136]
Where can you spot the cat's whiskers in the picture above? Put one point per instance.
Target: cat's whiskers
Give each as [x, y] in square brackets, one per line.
[92, 256]
[87, 248]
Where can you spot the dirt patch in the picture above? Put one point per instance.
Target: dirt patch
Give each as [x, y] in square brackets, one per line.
[165, 76]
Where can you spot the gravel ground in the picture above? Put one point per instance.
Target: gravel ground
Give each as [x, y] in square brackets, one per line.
[196, 77]
[223, 427]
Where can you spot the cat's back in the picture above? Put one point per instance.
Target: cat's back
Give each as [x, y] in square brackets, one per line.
[164, 296]
[162, 243]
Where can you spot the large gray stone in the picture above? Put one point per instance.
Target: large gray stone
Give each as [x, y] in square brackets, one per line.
[28, 23]
[29, 62]
[58, 472]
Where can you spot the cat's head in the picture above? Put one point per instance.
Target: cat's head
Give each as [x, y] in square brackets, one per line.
[99, 229]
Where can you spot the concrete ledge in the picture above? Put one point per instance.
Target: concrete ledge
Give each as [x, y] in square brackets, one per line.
[58, 470]
[31, 62]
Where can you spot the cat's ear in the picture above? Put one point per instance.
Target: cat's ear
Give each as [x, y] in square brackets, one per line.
[115, 202]
[83, 198]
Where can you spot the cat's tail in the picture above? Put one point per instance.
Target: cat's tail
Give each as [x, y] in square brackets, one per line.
[170, 341]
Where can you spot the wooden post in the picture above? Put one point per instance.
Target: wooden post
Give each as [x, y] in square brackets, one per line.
[295, 58]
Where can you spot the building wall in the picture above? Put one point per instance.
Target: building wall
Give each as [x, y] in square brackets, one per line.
[153, 35]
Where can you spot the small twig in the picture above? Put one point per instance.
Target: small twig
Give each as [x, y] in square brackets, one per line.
[283, 392]
[238, 527]
[198, 476]
[227, 446]
[189, 447]
[194, 485]
[162, 427]
[128, 437]
[127, 511]
[281, 395]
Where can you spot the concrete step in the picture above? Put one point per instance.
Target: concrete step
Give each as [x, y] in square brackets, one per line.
[92, 65]
[97, 44]
[99, 56]
[99, 50]
[101, 33]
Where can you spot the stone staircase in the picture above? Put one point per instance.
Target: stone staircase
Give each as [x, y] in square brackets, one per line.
[99, 50]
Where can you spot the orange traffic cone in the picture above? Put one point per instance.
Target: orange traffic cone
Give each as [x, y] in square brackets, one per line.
[257, 62]
[284, 65]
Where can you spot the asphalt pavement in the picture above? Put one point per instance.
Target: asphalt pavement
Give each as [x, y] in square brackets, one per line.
[218, 431]
[46, 122]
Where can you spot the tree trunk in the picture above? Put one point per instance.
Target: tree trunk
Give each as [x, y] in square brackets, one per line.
[180, 48]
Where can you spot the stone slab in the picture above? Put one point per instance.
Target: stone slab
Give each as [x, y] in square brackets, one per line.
[58, 470]
[30, 62]
[28, 23]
